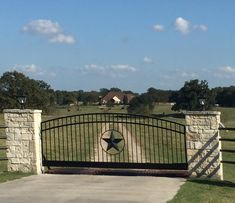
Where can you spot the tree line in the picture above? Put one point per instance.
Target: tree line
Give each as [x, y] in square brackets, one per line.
[41, 95]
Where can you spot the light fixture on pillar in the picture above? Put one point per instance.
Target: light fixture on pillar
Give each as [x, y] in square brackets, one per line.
[202, 102]
[21, 98]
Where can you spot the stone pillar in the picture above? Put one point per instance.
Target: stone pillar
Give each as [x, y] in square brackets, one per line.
[23, 140]
[203, 145]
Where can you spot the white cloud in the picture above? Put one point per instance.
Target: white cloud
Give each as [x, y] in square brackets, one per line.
[32, 69]
[228, 69]
[41, 26]
[158, 28]
[119, 70]
[227, 72]
[62, 38]
[147, 60]
[182, 25]
[187, 74]
[93, 68]
[123, 67]
[165, 76]
[48, 29]
[178, 75]
[201, 27]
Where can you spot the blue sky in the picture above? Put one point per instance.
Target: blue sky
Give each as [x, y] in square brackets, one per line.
[130, 44]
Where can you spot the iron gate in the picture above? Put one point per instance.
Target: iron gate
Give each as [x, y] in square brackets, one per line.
[113, 140]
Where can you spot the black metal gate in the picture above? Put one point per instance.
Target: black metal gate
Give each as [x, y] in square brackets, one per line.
[113, 140]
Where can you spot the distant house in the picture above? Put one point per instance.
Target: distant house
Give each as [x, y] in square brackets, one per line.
[117, 98]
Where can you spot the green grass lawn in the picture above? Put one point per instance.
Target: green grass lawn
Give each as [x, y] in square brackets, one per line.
[227, 116]
[74, 110]
[7, 176]
[195, 190]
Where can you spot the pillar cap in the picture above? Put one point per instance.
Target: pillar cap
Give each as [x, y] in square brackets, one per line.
[22, 111]
[203, 113]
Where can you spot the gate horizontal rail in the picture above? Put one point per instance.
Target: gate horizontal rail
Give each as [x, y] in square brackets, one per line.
[115, 165]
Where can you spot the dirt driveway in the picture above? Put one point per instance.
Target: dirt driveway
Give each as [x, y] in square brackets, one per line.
[89, 189]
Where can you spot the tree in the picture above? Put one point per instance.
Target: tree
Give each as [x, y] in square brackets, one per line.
[142, 104]
[39, 94]
[69, 98]
[103, 92]
[159, 95]
[153, 93]
[115, 89]
[128, 92]
[125, 99]
[225, 96]
[90, 97]
[187, 98]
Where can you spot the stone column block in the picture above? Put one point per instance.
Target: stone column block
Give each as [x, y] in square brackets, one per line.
[203, 145]
[23, 140]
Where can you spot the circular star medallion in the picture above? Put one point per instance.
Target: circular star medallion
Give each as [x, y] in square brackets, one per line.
[112, 142]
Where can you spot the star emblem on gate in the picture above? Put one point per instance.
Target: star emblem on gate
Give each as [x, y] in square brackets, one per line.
[113, 142]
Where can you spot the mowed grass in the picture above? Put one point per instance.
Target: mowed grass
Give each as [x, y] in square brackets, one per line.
[205, 191]
[7, 176]
[74, 110]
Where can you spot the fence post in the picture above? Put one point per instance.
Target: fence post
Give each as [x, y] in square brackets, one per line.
[203, 145]
[23, 140]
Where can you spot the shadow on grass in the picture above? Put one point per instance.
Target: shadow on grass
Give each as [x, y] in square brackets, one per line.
[213, 182]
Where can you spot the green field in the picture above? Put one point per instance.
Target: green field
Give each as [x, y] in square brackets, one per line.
[194, 190]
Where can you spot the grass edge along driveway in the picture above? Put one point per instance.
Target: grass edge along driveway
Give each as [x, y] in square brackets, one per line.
[7, 176]
[205, 190]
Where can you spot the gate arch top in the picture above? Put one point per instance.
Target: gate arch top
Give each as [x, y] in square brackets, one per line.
[112, 117]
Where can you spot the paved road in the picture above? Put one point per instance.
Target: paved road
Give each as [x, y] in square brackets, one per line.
[89, 189]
